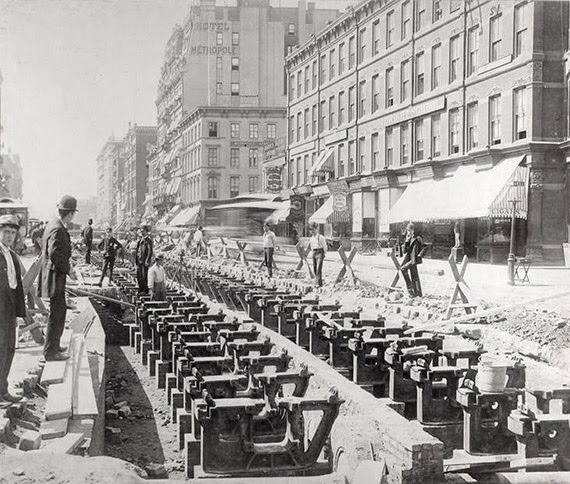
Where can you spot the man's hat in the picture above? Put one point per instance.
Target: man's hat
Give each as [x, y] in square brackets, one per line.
[313, 225]
[68, 203]
[10, 220]
[159, 257]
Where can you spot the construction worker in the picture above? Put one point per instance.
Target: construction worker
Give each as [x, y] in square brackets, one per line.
[157, 280]
[88, 240]
[268, 248]
[143, 259]
[413, 250]
[12, 303]
[109, 245]
[198, 241]
[54, 268]
[318, 245]
[36, 237]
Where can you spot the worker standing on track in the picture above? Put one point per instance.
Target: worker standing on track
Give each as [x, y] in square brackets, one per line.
[109, 245]
[88, 240]
[55, 266]
[268, 248]
[12, 303]
[144, 255]
[198, 241]
[157, 280]
[318, 245]
[413, 249]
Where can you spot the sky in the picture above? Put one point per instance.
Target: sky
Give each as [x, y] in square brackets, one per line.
[76, 72]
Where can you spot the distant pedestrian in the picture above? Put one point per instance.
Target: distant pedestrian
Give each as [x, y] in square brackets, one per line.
[457, 235]
[55, 266]
[88, 240]
[109, 245]
[268, 248]
[318, 245]
[12, 303]
[157, 280]
[143, 259]
[36, 237]
[413, 249]
[198, 241]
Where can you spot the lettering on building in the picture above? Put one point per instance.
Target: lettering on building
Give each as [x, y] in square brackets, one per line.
[216, 50]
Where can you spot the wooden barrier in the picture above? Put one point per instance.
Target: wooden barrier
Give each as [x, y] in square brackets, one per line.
[461, 290]
[347, 267]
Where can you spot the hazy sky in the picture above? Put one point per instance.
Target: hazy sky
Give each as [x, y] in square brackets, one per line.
[76, 72]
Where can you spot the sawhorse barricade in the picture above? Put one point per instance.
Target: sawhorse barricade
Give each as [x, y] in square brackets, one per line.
[347, 267]
[303, 253]
[461, 290]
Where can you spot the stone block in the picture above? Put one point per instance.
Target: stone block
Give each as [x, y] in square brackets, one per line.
[30, 440]
[161, 369]
[176, 403]
[184, 427]
[152, 358]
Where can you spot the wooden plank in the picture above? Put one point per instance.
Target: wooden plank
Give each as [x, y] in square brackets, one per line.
[84, 403]
[64, 445]
[55, 371]
[53, 429]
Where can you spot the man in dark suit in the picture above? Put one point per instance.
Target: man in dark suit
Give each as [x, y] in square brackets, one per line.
[413, 249]
[88, 240]
[109, 245]
[12, 303]
[144, 256]
[54, 268]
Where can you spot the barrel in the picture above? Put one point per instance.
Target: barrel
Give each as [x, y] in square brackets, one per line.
[491, 375]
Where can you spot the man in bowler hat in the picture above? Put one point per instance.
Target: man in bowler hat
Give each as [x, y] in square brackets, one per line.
[12, 303]
[54, 268]
[88, 240]
[143, 259]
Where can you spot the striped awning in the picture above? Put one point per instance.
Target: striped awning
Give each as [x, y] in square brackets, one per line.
[322, 215]
[281, 214]
[324, 163]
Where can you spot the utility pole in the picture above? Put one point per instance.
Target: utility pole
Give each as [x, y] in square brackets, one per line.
[511, 258]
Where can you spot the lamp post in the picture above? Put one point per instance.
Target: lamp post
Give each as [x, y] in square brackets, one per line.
[511, 258]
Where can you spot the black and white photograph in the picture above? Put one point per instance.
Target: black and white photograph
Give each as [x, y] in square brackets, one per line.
[285, 241]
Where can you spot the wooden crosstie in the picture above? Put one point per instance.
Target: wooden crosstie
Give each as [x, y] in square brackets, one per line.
[303, 261]
[461, 296]
[347, 265]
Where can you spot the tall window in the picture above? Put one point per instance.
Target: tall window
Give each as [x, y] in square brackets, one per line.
[332, 61]
[332, 112]
[404, 80]
[234, 130]
[291, 129]
[235, 38]
[375, 151]
[235, 88]
[234, 157]
[291, 29]
[219, 63]
[472, 126]
[375, 93]
[362, 99]
[307, 78]
[253, 184]
[390, 29]
[219, 88]
[435, 135]
[473, 50]
[314, 120]
[435, 66]
[235, 63]
[219, 38]
[363, 45]
[389, 147]
[420, 15]
[420, 74]
[454, 52]
[351, 158]
[253, 130]
[299, 126]
[253, 157]
[271, 131]
[519, 113]
[306, 169]
[406, 18]
[292, 86]
[351, 52]
[419, 139]
[453, 131]
[306, 123]
[404, 144]
[323, 76]
[376, 37]
[495, 38]
[361, 167]
[437, 13]
[341, 107]
[521, 28]
[351, 103]
[213, 129]
[323, 119]
[234, 186]
[389, 87]
[341, 58]
[212, 156]
[212, 187]
[314, 71]
[495, 120]
[341, 160]
[299, 170]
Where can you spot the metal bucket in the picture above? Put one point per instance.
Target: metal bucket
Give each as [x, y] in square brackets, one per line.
[491, 375]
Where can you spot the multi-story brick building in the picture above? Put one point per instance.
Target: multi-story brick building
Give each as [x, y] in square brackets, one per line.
[106, 181]
[437, 112]
[222, 95]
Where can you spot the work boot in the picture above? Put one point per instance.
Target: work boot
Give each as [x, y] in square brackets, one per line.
[100, 284]
[57, 357]
[7, 397]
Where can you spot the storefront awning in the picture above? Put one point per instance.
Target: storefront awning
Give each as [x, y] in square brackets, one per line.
[324, 163]
[468, 193]
[320, 190]
[262, 205]
[281, 214]
[173, 186]
[186, 217]
[323, 213]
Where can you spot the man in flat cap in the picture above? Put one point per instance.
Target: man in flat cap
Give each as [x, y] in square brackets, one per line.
[54, 268]
[143, 258]
[12, 303]
[157, 280]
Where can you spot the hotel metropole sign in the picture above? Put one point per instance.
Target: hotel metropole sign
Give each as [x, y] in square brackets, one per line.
[216, 50]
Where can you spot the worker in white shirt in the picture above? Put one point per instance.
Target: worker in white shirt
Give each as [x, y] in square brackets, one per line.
[198, 241]
[157, 280]
[268, 248]
[318, 245]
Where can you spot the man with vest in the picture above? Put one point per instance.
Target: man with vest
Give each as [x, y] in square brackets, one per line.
[143, 260]
[157, 280]
[12, 303]
[109, 245]
[318, 245]
[88, 240]
[54, 267]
